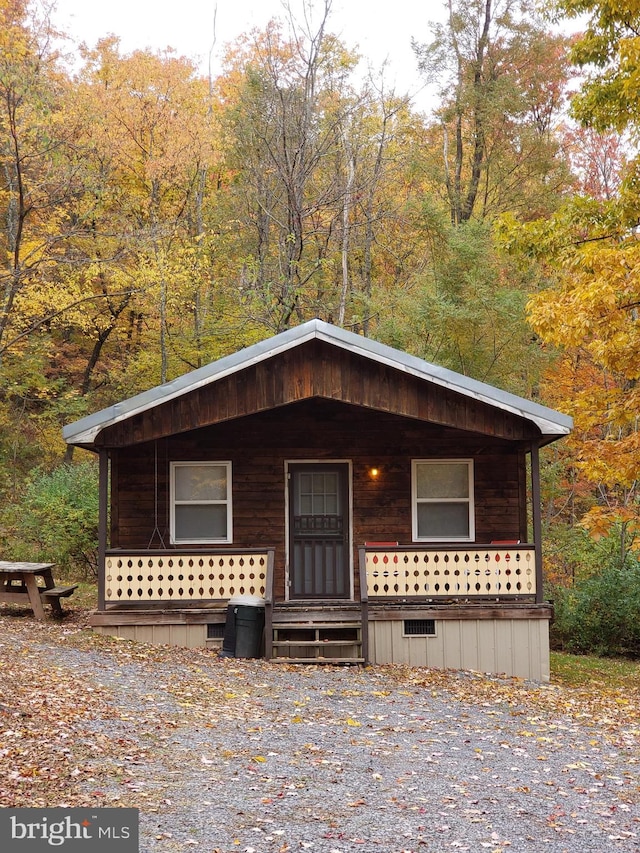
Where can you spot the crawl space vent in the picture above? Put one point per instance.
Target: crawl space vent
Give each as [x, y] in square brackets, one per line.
[419, 627]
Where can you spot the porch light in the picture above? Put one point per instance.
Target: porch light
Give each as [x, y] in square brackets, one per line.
[374, 473]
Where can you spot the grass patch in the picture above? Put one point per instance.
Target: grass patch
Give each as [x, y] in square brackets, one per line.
[587, 670]
[86, 596]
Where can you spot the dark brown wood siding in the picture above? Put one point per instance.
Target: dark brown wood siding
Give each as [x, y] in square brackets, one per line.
[317, 369]
[258, 447]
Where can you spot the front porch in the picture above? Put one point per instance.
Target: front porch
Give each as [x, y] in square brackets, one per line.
[454, 606]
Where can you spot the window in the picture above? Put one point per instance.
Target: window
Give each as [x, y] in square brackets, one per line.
[443, 500]
[200, 502]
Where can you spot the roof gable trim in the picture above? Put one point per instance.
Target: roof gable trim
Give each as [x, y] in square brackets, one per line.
[85, 431]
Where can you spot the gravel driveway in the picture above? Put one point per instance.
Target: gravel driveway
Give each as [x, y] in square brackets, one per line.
[227, 755]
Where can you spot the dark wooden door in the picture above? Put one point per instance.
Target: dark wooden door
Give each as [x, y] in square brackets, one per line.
[319, 531]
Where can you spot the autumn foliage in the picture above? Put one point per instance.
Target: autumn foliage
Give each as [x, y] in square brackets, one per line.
[154, 218]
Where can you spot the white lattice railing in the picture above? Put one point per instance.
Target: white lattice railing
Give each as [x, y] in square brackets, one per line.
[172, 576]
[464, 572]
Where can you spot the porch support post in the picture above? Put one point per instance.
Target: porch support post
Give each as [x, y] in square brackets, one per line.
[268, 606]
[364, 604]
[103, 514]
[536, 507]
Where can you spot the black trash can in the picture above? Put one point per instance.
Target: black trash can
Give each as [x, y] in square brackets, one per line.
[229, 636]
[244, 627]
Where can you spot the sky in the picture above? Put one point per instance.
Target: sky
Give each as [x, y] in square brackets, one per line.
[381, 30]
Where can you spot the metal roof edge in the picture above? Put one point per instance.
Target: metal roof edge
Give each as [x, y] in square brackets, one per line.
[84, 431]
[482, 391]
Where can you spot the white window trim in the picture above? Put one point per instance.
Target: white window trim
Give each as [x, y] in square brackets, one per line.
[414, 501]
[172, 502]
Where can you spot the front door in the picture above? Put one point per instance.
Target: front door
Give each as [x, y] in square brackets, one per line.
[319, 564]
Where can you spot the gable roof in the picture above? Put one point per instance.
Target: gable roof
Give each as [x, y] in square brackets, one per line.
[551, 424]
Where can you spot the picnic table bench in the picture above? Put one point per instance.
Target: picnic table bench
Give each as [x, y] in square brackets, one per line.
[19, 585]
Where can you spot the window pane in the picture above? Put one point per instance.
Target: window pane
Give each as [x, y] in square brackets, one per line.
[443, 480]
[442, 521]
[304, 487]
[317, 494]
[201, 522]
[325, 494]
[306, 481]
[330, 505]
[201, 482]
[306, 506]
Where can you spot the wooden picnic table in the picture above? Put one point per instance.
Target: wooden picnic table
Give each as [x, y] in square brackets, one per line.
[19, 585]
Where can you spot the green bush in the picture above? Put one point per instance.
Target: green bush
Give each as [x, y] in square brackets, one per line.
[56, 521]
[600, 614]
[570, 554]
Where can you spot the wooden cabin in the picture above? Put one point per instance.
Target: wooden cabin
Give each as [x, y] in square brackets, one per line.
[387, 510]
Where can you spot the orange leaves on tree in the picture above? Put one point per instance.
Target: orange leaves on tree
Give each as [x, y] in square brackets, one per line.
[592, 316]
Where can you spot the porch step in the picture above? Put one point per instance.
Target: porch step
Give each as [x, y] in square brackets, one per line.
[307, 624]
[308, 641]
[320, 660]
[313, 643]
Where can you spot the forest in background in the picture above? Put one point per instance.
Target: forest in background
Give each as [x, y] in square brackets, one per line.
[153, 219]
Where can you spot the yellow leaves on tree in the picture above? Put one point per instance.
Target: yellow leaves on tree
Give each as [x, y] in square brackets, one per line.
[592, 316]
[595, 308]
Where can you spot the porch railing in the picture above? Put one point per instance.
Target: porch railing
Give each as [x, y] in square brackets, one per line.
[182, 576]
[466, 571]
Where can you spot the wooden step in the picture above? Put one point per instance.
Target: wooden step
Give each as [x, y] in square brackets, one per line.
[320, 626]
[309, 621]
[319, 660]
[297, 636]
[318, 644]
